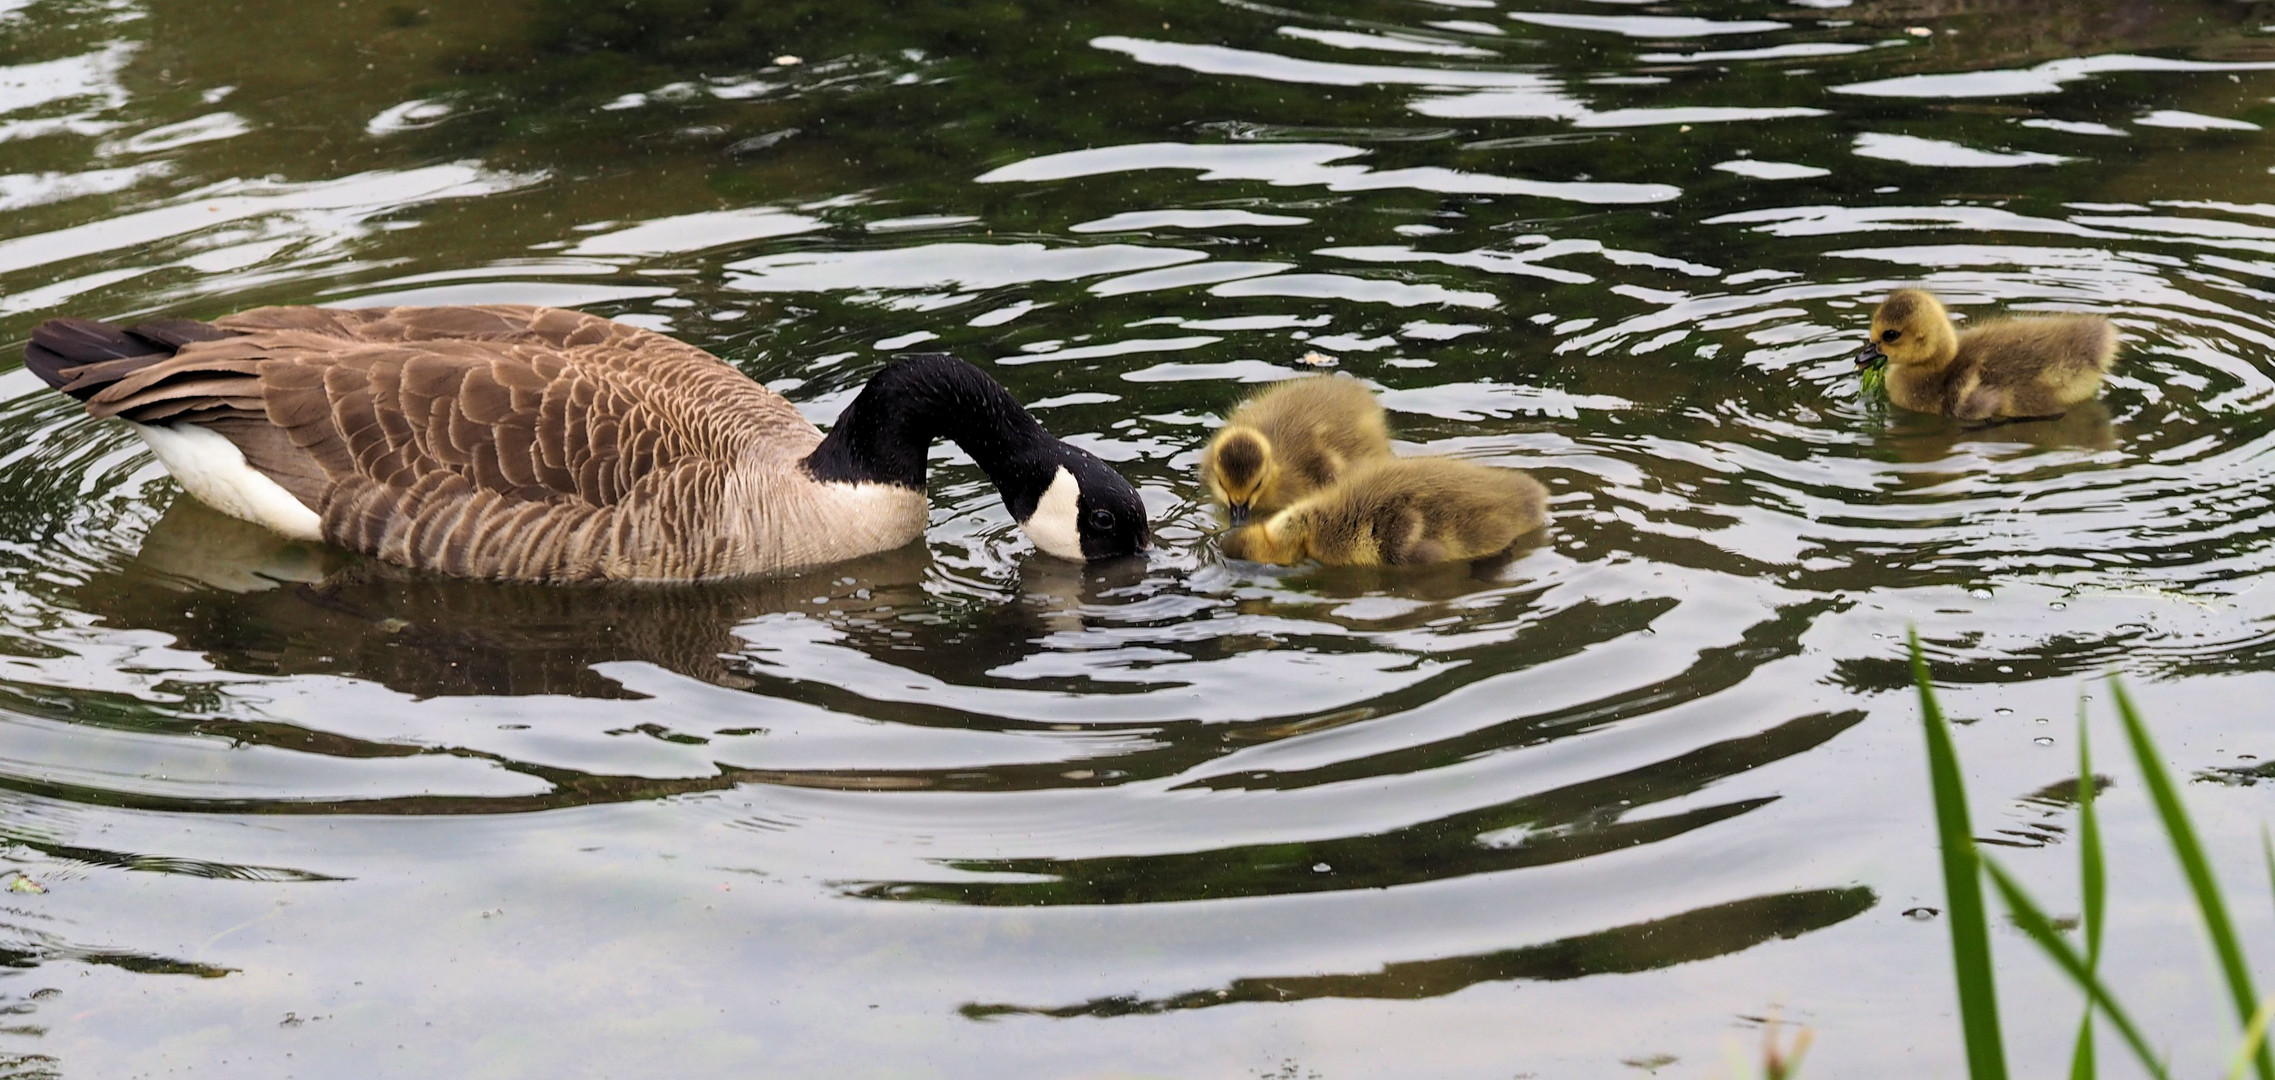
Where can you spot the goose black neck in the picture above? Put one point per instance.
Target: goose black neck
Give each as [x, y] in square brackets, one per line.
[883, 436]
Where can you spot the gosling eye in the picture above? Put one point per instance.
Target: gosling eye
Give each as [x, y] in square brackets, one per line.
[1102, 520]
[1890, 335]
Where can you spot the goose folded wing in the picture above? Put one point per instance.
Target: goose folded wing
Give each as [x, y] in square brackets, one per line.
[526, 419]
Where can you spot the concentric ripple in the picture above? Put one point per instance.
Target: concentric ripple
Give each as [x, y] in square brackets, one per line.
[1649, 777]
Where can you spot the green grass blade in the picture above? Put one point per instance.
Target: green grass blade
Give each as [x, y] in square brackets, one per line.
[2037, 927]
[2081, 1055]
[2254, 1036]
[1962, 888]
[2092, 869]
[2198, 870]
[2267, 852]
[2093, 890]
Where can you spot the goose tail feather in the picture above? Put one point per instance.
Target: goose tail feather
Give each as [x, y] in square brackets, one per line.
[81, 356]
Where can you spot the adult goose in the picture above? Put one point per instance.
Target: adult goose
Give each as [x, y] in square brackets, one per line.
[537, 444]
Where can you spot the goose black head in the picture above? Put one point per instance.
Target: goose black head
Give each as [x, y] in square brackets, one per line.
[1071, 504]
[1074, 506]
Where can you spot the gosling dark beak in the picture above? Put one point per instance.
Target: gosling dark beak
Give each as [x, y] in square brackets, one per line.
[1871, 357]
[1239, 514]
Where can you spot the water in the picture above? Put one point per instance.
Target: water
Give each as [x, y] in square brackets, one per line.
[1611, 806]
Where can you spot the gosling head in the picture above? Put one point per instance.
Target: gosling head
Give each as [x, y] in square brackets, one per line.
[1910, 328]
[1081, 509]
[1240, 470]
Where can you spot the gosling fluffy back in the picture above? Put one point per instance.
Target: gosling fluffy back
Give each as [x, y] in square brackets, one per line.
[2017, 367]
[1400, 512]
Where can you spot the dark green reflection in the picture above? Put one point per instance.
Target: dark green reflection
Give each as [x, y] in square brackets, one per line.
[1646, 946]
[1572, 822]
[50, 949]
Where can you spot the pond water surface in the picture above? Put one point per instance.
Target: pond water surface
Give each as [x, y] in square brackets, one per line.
[1603, 809]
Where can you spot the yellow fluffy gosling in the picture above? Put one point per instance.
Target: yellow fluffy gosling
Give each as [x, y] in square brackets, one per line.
[2024, 367]
[1399, 512]
[1290, 439]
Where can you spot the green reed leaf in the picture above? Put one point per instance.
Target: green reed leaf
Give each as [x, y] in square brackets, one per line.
[2039, 928]
[1873, 381]
[2254, 1037]
[2210, 906]
[2267, 853]
[2093, 890]
[1962, 887]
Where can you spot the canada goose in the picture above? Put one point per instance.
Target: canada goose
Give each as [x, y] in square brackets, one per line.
[1399, 512]
[2036, 366]
[1289, 440]
[536, 444]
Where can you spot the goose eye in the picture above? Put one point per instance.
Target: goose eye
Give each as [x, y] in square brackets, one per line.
[1102, 520]
[1890, 335]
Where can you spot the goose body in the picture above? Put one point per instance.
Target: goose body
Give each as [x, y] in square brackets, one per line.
[2014, 368]
[539, 444]
[1289, 440]
[1399, 512]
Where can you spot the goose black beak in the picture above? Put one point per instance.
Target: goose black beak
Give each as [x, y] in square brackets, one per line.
[1871, 357]
[1239, 514]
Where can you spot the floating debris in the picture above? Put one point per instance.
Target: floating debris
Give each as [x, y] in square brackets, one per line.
[1919, 31]
[23, 884]
[757, 143]
[1315, 358]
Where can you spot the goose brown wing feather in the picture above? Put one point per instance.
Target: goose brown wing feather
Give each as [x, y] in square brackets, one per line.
[498, 440]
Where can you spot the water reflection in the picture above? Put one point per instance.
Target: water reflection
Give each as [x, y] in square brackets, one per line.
[1925, 437]
[1691, 936]
[254, 603]
[1587, 819]
[1628, 250]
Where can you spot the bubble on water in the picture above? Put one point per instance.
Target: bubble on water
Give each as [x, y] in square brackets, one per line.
[2057, 605]
[2044, 720]
[2002, 711]
[2042, 740]
[1979, 593]
[1921, 914]
[1320, 868]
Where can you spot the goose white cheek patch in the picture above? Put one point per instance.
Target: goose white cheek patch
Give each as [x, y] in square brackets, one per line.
[1056, 525]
